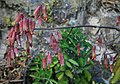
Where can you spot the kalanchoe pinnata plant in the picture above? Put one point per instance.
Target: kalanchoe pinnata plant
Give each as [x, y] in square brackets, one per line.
[66, 66]
[23, 28]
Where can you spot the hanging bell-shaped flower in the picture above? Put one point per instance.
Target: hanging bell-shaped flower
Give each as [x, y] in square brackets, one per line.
[30, 39]
[105, 61]
[49, 58]
[30, 25]
[37, 11]
[78, 49]
[25, 24]
[13, 39]
[17, 28]
[21, 26]
[10, 32]
[54, 43]
[59, 35]
[44, 63]
[99, 41]
[45, 13]
[27, 47]
[62, 59]
[59, 53]
[33, 27]
[19, 17]
[93, 52]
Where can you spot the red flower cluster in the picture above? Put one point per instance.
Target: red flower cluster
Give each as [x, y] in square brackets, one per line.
[24, 27]
[46, 61]
[41, 11]
[108, 63]
[55, 45]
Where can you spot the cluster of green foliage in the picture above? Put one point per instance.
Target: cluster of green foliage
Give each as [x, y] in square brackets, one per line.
[76, 68]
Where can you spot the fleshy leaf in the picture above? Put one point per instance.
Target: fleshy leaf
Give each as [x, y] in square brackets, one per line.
[73, 62]
[69, 73]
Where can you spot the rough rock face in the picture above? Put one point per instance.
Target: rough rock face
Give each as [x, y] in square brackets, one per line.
[9, 9]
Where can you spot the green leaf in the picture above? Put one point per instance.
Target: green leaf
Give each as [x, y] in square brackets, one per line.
[68, 64]
[34, 76]
[60, 75]
[116, 76]
[87, 67]
[91, 61]
[36, 82]
[81, 62]
[23, 58]
[69, 73]
[47, 82]
[83, 81]
[50, 82]
[73, 62]
[117, 64]
[72, 41]
[64, 80]
[32, 68]
[55, 82]
[48, 73]
[87, 75]
[55, 62]
[62, 68]
[52, 65]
